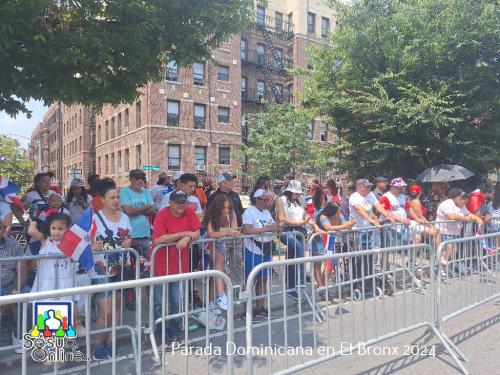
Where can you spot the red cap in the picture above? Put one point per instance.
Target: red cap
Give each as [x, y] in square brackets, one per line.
[415, 189]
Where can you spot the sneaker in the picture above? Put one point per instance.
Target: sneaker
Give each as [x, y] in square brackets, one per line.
[109, 349]
[263, 314]
[462, 269]
[222, 301]
[16, 341]
[100, 353]
[212, 306]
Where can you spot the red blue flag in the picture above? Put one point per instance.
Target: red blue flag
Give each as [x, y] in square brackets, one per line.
[76, 243]
[9, 191]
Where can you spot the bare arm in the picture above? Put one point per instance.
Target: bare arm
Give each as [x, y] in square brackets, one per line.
[248, 229]
[7, 220]
[33, 232]
[174, 237]
[136, 211]
[416, 211]
[222, 233]
[365, 216]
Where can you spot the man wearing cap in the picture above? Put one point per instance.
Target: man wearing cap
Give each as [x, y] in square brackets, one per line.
[226, 184]
[187, 183]
[162, 188]
[138, 205]
[380, 187]
[177, 224]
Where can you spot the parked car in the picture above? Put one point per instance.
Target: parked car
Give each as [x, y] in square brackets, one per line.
[18, 232]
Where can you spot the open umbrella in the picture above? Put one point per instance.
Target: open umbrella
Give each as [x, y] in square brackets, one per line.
[444, 173]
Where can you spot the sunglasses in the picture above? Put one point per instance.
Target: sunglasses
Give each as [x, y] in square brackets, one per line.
[143, 178]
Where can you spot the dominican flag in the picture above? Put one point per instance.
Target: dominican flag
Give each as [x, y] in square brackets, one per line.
[329, 244]
[485, 244]
[9, 191]
[76, 243]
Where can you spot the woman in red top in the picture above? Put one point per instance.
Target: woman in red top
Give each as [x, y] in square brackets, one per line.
[417, 213]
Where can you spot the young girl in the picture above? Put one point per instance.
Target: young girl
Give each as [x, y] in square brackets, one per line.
[113, 229]
[220, 221]
[329, 219]
[55, 273]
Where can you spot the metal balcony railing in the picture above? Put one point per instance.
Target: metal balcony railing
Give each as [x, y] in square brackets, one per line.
[258, 97]
[250, 56]
[278, 27]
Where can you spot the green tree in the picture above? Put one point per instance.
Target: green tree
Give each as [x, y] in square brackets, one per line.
[95, 52]
[411, 84]
[13, 164]
[278, 143]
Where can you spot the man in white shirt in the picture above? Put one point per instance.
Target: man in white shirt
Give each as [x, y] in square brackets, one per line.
[186, 182]
[161, 189]
[454, 209]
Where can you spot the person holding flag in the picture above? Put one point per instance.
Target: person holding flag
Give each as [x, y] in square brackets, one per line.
[8, 198]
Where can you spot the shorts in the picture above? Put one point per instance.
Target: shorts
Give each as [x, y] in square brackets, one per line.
[104, 280]
[252, 260]
[448, 237]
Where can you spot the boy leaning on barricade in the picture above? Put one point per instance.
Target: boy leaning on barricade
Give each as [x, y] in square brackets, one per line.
[176, 224]
[13, 277]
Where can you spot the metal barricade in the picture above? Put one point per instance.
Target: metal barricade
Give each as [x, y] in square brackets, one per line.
[286, 337]
[200, 350]
[11, 315]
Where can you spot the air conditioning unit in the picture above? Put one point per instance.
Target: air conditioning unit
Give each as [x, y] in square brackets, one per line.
[200, 168]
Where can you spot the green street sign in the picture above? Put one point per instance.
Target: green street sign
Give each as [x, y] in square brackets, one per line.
[155, 168]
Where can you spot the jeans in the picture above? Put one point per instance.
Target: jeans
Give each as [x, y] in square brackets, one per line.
[295, 249]
[172, 290]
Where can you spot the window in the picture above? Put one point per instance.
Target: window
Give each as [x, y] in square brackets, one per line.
[119, 129]
[126, 158]
[81, 144]
[172, 71]
[224, 155]
[200, 156]
[99, 167]
[119, 162]
[244, 49]
[172, 113]
[174, 157]
[198, 73]
[99, 134]
[112, 127]
[112, 162]
[261, 15]
[278, 63]
[223, 115]
[138, 156]
[106, 130]
[325, 27]
[138, 114]
[311, 22]
[126, 121]
[244, 81]
[261, 53]
[324, 133]
[261, 89]
[223, 73]
[279, 93]
[80, 116]
[310, 130]
[106, 165]
[290, 21]
[278, 21]
[199, 116]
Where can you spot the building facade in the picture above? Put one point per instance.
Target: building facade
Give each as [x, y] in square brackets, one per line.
[195, 120]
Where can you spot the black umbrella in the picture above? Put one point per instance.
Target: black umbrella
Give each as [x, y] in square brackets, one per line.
[444, 173]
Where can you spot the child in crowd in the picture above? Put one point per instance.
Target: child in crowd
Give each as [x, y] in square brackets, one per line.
[55, 273]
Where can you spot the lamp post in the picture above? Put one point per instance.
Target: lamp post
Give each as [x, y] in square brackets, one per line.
[39, 148]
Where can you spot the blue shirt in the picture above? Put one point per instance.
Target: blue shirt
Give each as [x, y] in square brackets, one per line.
[139, 223]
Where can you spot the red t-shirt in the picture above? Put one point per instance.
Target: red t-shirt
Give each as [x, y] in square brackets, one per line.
[166, 223]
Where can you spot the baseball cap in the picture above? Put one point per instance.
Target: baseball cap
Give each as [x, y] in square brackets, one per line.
[136, 173]
[177, 175]
[380, 179]
[178, 197]
[455, 192]
[77, 182]
[398, 182]
[364, 182]
[415, 189]
[260, 193]
[225, 176]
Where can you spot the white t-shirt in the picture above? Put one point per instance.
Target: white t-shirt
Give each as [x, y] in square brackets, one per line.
[193, 201]
[367, 203]
[158, 192]
[448, 207]
[119, 229]
[396, 205]
[76, 211]
[494, 212]
[256, 219]
[293, 211]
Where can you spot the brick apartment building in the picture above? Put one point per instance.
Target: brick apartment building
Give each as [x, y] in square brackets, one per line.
[196, 118]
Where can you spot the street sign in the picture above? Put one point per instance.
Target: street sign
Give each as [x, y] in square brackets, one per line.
[155, 168]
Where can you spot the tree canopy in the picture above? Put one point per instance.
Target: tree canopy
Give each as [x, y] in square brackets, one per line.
[13, 164]
[410, 84]
[95, 52]
[279, 142]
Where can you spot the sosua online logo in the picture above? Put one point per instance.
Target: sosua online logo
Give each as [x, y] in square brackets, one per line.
[53, 338]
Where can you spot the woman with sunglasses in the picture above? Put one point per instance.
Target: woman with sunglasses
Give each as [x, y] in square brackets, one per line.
[77, 200]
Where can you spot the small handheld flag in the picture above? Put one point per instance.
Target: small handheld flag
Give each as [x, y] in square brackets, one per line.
[9, 191]
[76, 243]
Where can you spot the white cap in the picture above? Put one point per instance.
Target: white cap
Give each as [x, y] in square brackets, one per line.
[259, 193]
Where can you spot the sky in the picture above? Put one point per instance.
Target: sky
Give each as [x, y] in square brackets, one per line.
[22, 125]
